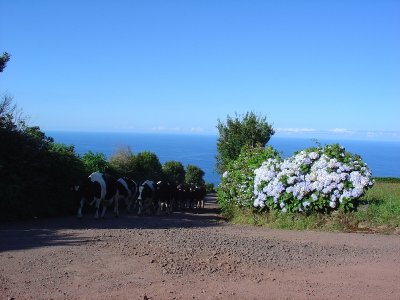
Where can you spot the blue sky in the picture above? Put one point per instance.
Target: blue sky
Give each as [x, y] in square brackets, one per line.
[314, 68]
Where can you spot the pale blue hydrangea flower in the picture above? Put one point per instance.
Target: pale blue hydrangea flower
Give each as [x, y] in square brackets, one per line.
[326, 178]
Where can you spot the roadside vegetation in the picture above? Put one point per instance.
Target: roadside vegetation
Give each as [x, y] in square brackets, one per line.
[320, 188]
[379, 211]
[37, 174]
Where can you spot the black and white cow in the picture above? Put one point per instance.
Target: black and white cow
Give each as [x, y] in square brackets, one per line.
[199, 195]
[190, 196]
[127, 189]
[180, 196]
[98, 189]
[147, 199]
[164, 197]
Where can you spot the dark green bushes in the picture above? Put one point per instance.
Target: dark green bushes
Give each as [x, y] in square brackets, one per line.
[36, 174]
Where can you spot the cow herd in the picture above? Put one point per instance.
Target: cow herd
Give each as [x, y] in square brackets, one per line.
[147, 198]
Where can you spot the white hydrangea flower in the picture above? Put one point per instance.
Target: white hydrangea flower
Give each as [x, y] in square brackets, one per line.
[326, 177]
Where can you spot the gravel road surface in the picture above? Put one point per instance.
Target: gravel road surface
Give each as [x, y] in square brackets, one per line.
[191, 256]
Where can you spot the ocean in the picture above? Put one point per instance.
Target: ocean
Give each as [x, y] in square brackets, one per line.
[382, 157]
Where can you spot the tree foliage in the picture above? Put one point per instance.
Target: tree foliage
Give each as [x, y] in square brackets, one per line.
[122, 162]
[237, 184]
[146, 165]
[3, 60]
[249, 130]
[95, 162]
[35, 173]
[194, 175]
[174, 171]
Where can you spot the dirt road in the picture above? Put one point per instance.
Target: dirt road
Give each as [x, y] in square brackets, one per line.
[191, 256]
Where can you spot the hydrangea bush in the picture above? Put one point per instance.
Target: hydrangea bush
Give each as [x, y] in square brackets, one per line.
[315, 179]
[237, 183]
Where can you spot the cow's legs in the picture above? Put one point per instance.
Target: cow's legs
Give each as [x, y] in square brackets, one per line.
[131, 201]
[103, 212]
[140, 204]
[96, 215]
[169, 205]
[158, 207]
[80, 208]
[116, 212]
[128, 203]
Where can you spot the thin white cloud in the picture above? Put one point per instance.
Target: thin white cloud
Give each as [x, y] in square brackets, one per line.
[197, 129]
[295, 130]
[394, 134]
[341, 130]
[165, 129]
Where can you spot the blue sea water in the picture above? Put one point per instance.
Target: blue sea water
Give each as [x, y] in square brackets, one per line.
[382, 157]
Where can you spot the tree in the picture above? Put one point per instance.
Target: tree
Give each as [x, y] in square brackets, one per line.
[35, 173]
[122, 162]
[3, 61]
[95, 162]
[8, 114]
[174, 171]
[194, 175]
[249, 130]
[146, 165]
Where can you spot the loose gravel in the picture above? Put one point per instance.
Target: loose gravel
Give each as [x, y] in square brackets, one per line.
[192, 255]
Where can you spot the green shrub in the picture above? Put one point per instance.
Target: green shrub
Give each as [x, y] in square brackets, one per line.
[194, 175]
[122, 163]
[174, 171]
[249, 130]
[146, 165]
[95, 162]
[237, 183]
[36, 174]
[210, 188]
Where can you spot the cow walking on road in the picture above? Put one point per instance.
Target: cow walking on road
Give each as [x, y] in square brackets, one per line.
[147, 199]
[98, 189]
[165, 197]
[127, 190]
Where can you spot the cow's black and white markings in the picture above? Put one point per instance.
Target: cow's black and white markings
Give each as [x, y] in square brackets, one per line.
[180, 195]
[98, 189]
[164, 197]
[127, 189]
[199, 194]
[147, 199]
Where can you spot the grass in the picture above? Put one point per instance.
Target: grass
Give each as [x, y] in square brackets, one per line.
[379, 211]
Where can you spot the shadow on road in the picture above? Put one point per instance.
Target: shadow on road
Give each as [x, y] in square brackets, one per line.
[46, 232]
